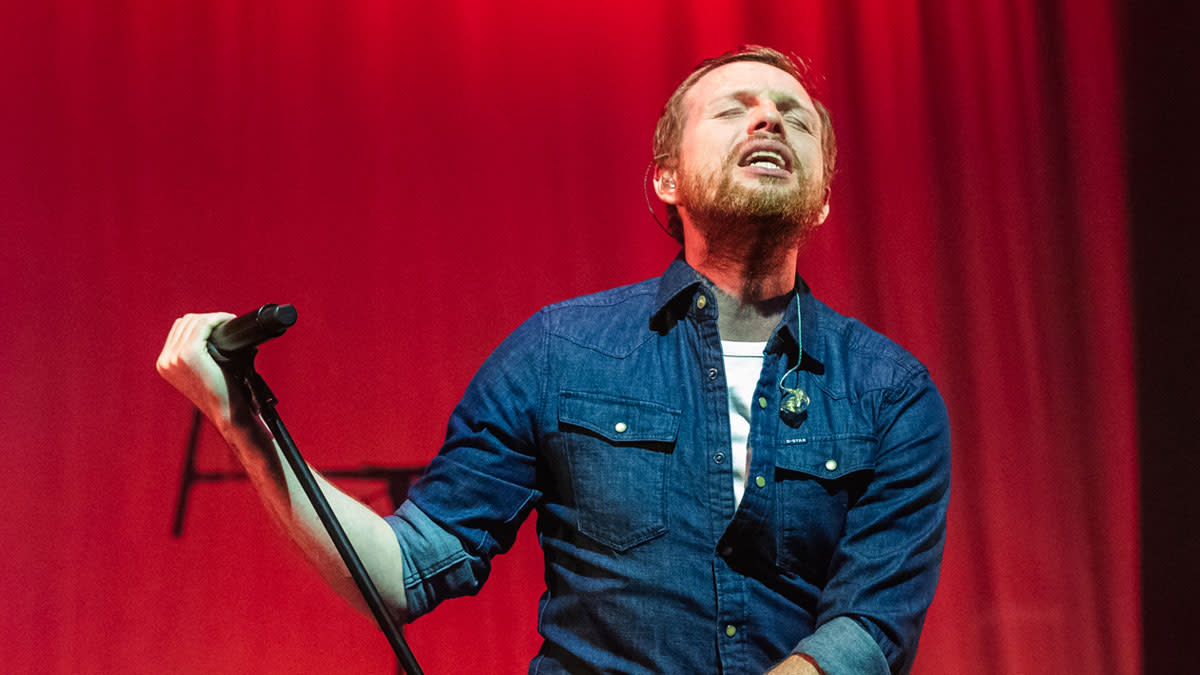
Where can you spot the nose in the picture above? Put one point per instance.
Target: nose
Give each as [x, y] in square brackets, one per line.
[765, 117]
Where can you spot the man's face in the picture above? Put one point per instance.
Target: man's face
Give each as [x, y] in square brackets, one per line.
[751, 150]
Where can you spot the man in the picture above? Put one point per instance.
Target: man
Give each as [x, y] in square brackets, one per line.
[729, 476]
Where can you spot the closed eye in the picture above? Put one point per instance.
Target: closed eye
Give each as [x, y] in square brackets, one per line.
[800, 122]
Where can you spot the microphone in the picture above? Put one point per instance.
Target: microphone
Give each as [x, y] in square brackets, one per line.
[236, 336]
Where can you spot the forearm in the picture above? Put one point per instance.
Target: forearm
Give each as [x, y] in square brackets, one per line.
[281, 493]
[187, 365]
[795, 665]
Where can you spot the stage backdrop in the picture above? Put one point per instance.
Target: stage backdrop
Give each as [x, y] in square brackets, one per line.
[417, 178]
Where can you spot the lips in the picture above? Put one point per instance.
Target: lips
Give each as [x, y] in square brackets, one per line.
[765, 154]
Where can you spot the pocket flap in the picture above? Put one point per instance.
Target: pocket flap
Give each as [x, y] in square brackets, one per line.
[620, 420]
[827, 457]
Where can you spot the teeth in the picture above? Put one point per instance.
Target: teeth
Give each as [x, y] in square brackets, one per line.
[766, 159]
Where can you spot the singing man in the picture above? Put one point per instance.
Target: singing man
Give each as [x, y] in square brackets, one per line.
[729, 476]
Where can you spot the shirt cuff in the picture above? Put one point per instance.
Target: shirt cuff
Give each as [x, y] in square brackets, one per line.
[435, 564]
[843, 647]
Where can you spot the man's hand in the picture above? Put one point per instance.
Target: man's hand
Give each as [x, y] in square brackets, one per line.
[187, 365]
[794, 665]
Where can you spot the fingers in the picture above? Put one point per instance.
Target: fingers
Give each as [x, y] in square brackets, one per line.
[186, 340]
[186, 364]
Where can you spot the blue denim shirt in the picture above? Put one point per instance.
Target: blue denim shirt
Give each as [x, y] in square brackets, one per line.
[608, 415]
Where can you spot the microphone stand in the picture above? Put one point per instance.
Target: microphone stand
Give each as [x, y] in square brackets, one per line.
[241, 366]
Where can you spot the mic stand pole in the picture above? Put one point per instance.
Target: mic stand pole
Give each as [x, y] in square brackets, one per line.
[242, 367]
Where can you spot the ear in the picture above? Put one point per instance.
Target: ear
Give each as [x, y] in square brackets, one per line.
[824, 213]
[664, 185]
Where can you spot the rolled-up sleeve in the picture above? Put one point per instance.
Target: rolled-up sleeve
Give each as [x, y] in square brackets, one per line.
[435, 563]
[843, 646]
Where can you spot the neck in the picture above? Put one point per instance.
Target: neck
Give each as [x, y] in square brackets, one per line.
[754, 279]
[747, 268]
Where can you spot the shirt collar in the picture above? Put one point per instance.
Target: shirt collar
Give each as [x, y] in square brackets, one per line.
[676, 281]
[678, 286]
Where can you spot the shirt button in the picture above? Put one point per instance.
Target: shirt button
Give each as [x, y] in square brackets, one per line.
[712, 373]
[719, 457]
[760, 481]
[621, 427]
[725, 550]
[830, 464]
[701, 301]
[762, 401]
[730, 630]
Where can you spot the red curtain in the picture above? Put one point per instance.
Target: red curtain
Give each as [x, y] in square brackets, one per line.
[419, 177]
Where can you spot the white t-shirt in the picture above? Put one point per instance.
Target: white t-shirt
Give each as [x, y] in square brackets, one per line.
[743, 365]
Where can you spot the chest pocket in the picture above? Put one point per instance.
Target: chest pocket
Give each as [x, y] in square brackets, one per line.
[817, 480]
[618, 451]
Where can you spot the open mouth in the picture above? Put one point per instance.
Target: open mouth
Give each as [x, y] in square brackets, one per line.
[766, 155]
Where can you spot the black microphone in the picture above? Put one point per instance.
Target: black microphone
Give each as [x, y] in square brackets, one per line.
[249, 330]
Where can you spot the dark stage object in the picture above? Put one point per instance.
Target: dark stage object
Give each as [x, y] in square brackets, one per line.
[396, 478]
